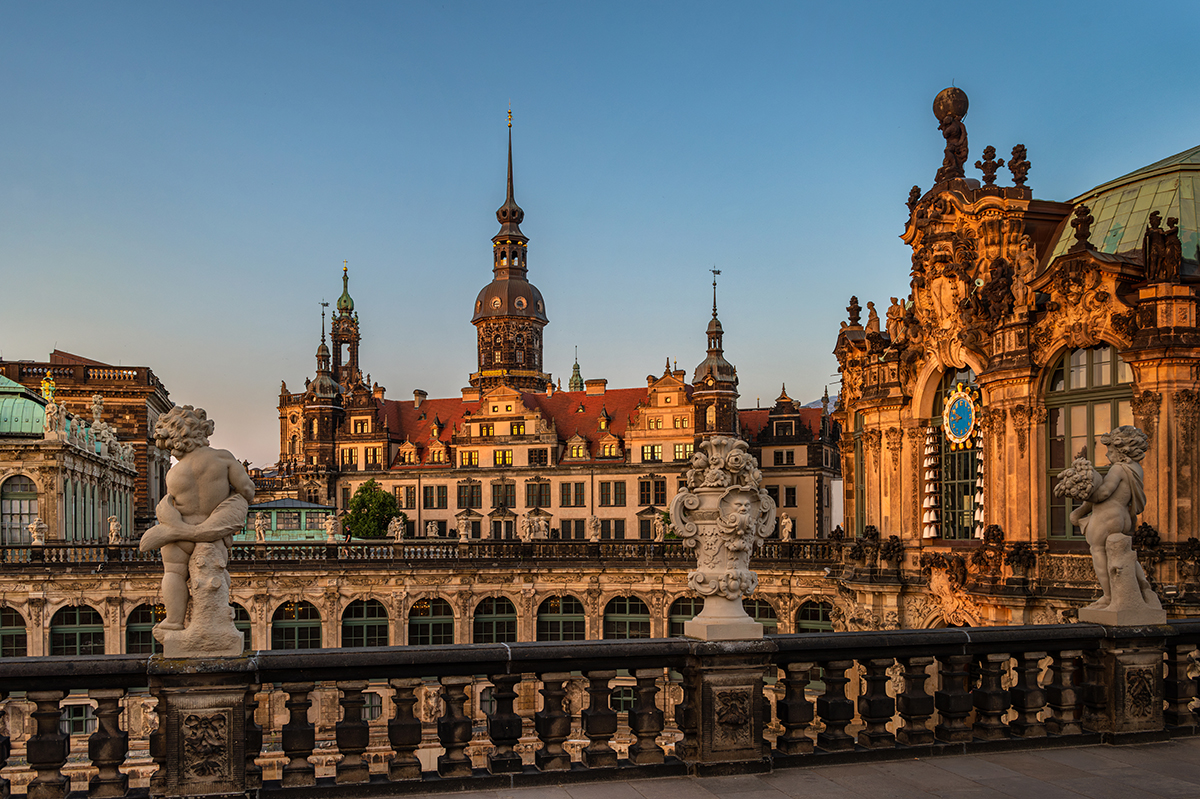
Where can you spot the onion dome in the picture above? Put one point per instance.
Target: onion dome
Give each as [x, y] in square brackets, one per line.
[345, 303]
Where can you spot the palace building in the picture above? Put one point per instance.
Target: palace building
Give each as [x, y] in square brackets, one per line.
[1029, 328]
[515, 455]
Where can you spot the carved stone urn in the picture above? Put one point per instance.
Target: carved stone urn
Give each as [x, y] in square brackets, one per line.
[723, 514]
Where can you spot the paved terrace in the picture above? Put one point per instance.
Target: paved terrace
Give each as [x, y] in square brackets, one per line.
[1135, 771]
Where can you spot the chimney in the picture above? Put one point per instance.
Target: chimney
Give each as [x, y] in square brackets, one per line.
[595, 387]
[378, 391]
[470, 394]
[419, 397]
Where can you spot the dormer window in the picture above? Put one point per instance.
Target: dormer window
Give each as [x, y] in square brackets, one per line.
[603, 422]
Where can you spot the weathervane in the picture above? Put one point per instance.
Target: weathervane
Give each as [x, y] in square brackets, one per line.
[324, 305]
[715, 272]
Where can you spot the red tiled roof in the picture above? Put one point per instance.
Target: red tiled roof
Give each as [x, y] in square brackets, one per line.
[753, 421]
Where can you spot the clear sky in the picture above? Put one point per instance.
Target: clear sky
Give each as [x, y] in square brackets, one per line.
[180, 182]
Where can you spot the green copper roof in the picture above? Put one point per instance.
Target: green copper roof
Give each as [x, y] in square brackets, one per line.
[345, 303]
[1121, 208]
[20, 414]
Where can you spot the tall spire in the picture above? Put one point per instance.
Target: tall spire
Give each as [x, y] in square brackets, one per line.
[510, 214]
[576, 382]
[345, 303]
[715, 272]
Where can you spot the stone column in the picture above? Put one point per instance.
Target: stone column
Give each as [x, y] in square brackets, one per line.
[1125, 691]
[202, 710]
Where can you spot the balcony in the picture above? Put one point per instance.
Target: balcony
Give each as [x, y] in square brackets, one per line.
[239, 725]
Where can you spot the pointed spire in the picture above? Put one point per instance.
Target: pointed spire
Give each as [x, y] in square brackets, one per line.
[715, 272]
[576, 381]
[783, 395]
[510, 214]
[345, 303]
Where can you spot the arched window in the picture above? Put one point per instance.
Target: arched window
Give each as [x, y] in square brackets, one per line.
[761, 611]
[958, 467]
[77, 630]
[18, 509]
[431, 621]
[365, 623]
[561, 618]
[626, 617]
[495, 622]
[13, 638]
[296, 625]
[241, 620]
[814, 617]
[682, 611]
[1088, 394]
[139, 630]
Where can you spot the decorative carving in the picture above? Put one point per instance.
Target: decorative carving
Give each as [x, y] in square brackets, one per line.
[1083, 229]
[989, 165]
[950, 106]
[1162, 251]
[206, 745]
[1020, 418]
[914, 196]
[854, 310]
[722, 514]
[895, 444]
[1139, 691]
[1018, 165]
[37, 532]
[1187, 410]
[1145, 408]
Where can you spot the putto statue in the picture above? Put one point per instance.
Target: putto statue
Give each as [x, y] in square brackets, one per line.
[723, 514]
[261, 525]
[1107, 517]
[208, 494]
[393, 529]
[114, 530]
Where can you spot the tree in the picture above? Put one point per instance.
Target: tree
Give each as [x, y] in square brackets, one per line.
[371, 508]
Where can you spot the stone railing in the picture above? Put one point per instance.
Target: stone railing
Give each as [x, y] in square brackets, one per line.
[422, 549]
[490, 716]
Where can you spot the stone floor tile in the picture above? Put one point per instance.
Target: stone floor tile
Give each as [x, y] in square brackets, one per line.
[603, 790]
[1088, 759]
[925, 775]
[734, 783]
[1032, 764]
[973, 768]
[1096, 787]
[866, 782]
[969, 793]
[1023, 787]
[798, 782]
[671, 788]
[1152, 780]
[537, 792]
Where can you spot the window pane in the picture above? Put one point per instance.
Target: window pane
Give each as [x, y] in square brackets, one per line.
[1102, 366]
[1124, 413]
[1101, 424]
[1079, 369]
[1056, 423]
[1124, 373]
[1079, 430]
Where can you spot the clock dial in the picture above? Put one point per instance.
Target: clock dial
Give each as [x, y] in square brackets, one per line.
[958, 418]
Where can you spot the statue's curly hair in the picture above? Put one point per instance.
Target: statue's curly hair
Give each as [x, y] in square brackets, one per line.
[1128, 440]
[183, 428]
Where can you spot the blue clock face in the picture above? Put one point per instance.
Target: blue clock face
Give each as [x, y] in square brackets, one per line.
[960, 418]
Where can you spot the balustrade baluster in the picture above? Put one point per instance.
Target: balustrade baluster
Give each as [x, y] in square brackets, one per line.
[599, 721]
[915, 704]
[553, 724]
[108, 745]
[875, 706]
[795, 711]
[1093, 691]
[352, 733]
[48, 747]
[504, 725]
[1028, 697]
[1179, 689]
[254, 738]
[646, 721]
[1062, 695]
[834, 708]
[404, 731]
[953, 701]
[990, 699]
[299, 736]
[454, 729]
[5, 745]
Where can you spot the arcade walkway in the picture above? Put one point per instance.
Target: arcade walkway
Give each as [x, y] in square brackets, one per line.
[1144, 771]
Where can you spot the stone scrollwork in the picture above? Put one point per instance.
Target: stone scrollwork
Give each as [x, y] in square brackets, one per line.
[895, 444]
[206, 745]
[722, 514]
[1021, 418]
[1187, 409]
[1145, 408]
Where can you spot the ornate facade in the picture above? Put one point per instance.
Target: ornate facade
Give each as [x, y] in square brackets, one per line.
[1030, 328]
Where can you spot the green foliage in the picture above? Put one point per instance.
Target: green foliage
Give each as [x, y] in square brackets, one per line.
[371, 508]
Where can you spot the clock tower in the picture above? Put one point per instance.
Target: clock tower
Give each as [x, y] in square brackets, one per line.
[714, 383]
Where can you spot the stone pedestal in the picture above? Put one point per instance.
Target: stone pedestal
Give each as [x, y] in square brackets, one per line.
[722, 715]
[1125, 688]
[203, 716]
[722, 620]
[1123, 617]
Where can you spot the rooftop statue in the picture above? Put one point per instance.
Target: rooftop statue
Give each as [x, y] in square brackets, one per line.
[208, 494]
[1108, 517]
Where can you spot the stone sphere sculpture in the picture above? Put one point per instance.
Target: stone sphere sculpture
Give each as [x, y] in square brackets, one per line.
[723, 514]
[950, 101]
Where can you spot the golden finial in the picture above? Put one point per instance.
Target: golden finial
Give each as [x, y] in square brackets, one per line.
[510, 114]
[345, 264]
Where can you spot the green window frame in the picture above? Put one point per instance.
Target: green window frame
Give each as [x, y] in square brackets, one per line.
[958, 471]
[626, 617]
[814, 617]
[430, 621]
[139, 630]
[18, 509]
[495, 621]
[683, 610]
[296, 625]
[1089, 392]
[14, 639]
[762, 612]
[561, 618]
[365, 623]
[77, 630]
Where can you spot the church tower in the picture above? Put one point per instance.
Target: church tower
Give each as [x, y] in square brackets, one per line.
[344, 333]
[509, 311]
[322, 416]
[715, 381]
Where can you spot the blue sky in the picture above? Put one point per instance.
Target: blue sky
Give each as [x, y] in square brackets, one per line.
[180, 182]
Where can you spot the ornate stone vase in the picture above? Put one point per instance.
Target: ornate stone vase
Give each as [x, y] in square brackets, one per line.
[723, 514]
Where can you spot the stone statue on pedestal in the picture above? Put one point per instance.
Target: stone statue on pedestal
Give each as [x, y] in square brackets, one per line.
[114, 530]
[1108, 517]
[332, 526]
[260, 528]
[723, 514]
[593, 528]
[785, 527]
[208, 494]
[393, 529]
[37, 532]
[464, 529]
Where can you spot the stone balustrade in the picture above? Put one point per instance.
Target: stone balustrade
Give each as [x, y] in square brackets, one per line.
[489, 716]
